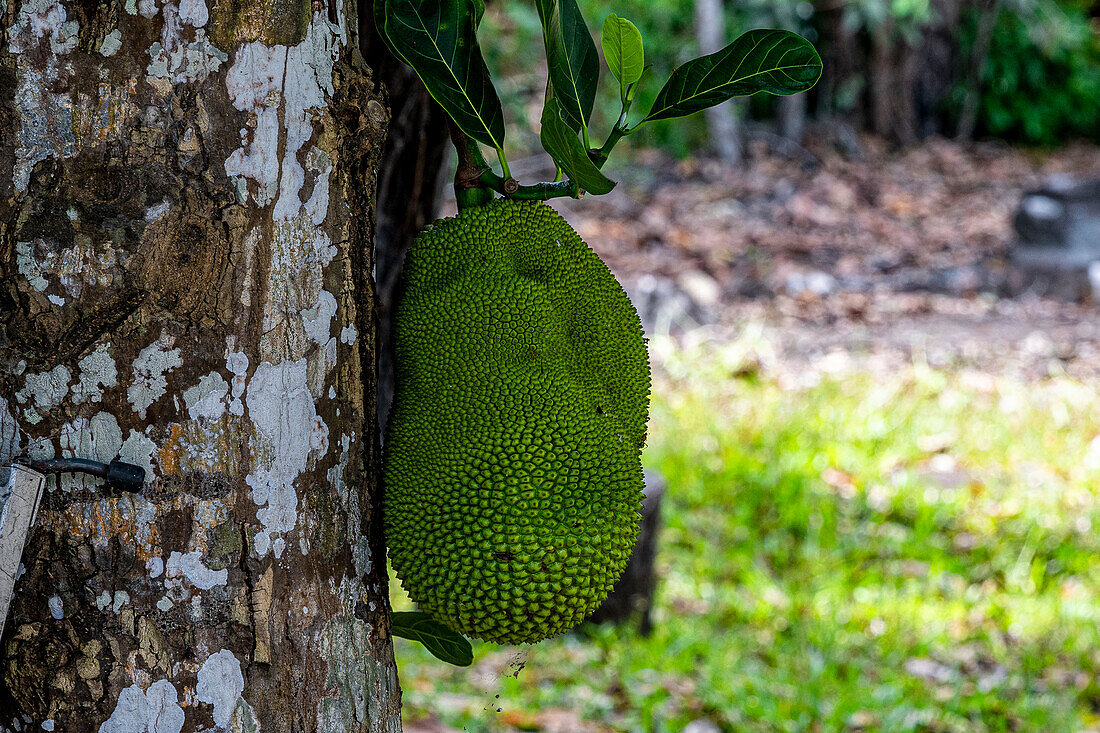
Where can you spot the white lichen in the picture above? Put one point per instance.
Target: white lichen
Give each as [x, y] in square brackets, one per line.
[84, 263]
[254, 83]
[155, 212]
[57, 608]
[97, 371]
[45, 117]
[174, 59]
[98, 439]
[189, 565]
[318, 319]
[138, 449]
[286, 428]
[150, 384]
[348, 334]
[155, 710]
[220, 683]
[237, 364]
[28, 266]
[206, 399]
[194, 12]
[47, 389]
[112, 42]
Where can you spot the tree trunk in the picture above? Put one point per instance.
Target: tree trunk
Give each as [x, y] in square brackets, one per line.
[723, 125]
[792, 117]
[185, 281]
[882, 78]
[979, 55]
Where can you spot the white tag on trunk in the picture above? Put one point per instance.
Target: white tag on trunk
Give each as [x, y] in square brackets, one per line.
[20, 492]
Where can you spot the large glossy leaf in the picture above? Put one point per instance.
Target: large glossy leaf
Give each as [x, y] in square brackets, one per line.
[479, 11]
[437, 39]
[450, 646]
[622, 49]
[762, 60]
[561, 141]
[571, 59]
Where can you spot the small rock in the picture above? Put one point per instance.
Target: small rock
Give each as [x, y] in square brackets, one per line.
[814, 283]
[700, 287]
[928, 669]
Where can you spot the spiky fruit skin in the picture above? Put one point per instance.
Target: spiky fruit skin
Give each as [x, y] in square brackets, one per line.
[512, 472]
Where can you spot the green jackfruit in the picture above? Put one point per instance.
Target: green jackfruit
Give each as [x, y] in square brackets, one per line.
[512, 473]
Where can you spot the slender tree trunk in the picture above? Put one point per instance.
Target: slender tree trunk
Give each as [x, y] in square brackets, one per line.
[882, 78]
[186, 195]
[723, 125]
[968, 116]
[792, 117]
[936, 67]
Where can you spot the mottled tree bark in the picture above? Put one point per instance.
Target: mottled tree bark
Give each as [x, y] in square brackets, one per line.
[186, 212]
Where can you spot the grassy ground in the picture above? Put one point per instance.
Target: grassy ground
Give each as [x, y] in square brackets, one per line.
[912, 551]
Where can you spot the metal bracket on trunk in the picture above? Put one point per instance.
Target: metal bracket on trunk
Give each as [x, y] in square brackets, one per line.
[20, 493]
[21, 489]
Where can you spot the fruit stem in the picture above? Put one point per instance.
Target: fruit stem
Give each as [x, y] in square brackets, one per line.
[469, 192]
[535, 192]
[476, 181]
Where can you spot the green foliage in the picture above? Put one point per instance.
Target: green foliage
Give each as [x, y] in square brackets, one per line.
[905, 17]
[572, 62]
[623, 51]
[561, 142]
[773, 61]
[512, 473]
[1041, 84]
[438, 39]
[444, 644]
[822, 569]
[668, 30]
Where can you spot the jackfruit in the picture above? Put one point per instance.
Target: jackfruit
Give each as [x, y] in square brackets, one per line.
[512, 473]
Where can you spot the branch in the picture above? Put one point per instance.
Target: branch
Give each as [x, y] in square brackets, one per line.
[469, 192]
[475, 180]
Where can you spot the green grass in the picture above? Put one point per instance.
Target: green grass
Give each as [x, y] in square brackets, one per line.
[913, 551]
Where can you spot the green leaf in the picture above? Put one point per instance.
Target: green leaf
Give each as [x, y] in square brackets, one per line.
[622, 49]
[571, 59]
[479, 11]
[762, 60]
[561, 141]
[437, 39]
[450, 646]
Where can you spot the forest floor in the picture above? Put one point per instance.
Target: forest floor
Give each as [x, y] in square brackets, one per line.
[884, 255]
[882, 471]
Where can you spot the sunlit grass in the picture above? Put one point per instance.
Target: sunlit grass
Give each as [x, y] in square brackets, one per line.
[908, 551]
